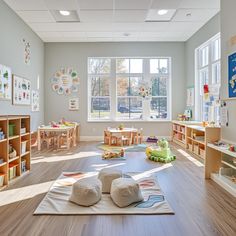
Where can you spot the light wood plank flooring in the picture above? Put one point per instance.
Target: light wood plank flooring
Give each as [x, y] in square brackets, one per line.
[201, 207]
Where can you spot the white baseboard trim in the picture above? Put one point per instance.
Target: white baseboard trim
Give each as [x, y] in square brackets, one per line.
[100, 138]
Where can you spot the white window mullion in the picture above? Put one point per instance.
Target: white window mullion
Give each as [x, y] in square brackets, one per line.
[113, 97]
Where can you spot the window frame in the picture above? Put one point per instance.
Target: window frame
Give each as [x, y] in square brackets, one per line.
[146, 75]
[199, 103]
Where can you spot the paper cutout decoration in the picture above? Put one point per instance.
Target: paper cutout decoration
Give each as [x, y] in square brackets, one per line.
[145, 91]
[206, 95]
[26, 52]
[232, 75]
[35, 100]
[65, 81]
[21, 91]
[74, 104]
[5, 82]
[190, 97]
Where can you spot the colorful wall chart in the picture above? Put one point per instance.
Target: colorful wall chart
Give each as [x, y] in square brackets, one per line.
[5, 82]
[232, 75]
[21, 91]
[35, 100]
[65, 81]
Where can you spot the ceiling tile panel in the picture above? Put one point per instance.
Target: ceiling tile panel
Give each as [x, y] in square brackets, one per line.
[95, 16]
[62, 4]
[132, 4]
[200, 4]
[36, 16]
[189, 15]
[130, 15]
[166, 4]
[95, 5]
[26, 4]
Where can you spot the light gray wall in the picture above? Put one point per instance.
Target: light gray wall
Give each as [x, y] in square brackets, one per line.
[75, 55]
[228, 30]
[13, 30]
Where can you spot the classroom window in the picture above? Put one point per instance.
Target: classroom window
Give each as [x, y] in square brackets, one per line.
[114, 85]
[207, 82]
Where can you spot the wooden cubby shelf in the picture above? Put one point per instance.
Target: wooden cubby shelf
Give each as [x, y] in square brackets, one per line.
[16, 134]
[192, 136]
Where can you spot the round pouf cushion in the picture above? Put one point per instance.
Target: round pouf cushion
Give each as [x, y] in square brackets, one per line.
[107, 176]
[86, 192]
[125, 191]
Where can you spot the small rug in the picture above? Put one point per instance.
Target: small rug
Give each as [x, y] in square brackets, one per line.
[56, 201]
[132, 148]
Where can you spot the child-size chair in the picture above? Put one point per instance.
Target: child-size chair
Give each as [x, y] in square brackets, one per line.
[138, 137]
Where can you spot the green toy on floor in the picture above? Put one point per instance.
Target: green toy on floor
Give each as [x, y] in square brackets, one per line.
[160, 154]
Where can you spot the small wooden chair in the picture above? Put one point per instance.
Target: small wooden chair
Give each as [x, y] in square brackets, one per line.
[107, 137]
[125, 139]
[138, 138]
[48, 138]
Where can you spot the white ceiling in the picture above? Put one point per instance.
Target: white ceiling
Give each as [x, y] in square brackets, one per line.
[111, 20]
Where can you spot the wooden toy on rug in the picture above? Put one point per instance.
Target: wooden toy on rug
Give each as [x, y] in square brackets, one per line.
[160, 154]
[110, 155]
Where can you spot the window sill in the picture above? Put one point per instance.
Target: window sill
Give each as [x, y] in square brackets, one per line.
[129, 121]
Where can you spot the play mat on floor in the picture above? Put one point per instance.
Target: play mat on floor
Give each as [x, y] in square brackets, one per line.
[132, 148]
[56, 202]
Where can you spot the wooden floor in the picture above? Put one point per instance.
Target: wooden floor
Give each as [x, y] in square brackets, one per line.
[201, 207]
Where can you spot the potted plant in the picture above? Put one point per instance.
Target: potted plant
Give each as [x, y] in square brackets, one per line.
[121, 126]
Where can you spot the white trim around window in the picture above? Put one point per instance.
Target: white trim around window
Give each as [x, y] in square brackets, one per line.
[110, 104]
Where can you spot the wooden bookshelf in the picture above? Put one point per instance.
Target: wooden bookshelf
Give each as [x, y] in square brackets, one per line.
[16, 130]
[192, 136]
[221, 166]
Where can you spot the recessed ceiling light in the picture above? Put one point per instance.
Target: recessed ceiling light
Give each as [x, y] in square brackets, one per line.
[65, 13]
[162, 12]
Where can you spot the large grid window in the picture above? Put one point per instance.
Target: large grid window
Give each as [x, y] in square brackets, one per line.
[207, 73]
[99, 88]
[114, 85]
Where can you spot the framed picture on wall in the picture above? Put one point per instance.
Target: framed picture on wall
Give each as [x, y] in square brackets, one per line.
[21, 91]
[73, 104]
[5, 82]
[232, 75]
[35, 100]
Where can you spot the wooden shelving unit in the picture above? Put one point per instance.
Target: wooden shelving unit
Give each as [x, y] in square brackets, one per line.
[193, 136]
[221, 166]
[18, 136]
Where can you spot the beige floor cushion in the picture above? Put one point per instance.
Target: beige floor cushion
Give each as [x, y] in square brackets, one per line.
[125, 191]
[86, 192]
[107, 176]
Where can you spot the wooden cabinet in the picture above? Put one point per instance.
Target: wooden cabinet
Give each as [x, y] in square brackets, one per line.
[15, 152]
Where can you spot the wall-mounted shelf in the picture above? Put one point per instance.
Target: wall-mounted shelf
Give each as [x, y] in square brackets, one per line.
[11, 127]
[219, 169]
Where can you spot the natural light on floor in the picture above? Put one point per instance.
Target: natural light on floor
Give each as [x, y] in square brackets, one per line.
[189, 157]
[23, 193]
[152, 171]
[65, 157]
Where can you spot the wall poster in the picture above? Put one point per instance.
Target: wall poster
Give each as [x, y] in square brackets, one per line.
[35, 100]
[232, 75]
[21, 91]
[5, 82]
[73, 104]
